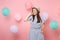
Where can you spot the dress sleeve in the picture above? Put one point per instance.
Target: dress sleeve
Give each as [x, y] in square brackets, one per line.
[30, 18]
[43, 20]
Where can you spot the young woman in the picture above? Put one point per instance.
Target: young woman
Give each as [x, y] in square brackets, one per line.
[37, 24]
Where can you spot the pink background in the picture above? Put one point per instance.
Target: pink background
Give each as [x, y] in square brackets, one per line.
[18, 6]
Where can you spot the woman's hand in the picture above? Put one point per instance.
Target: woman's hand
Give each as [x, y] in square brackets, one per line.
[26, 19]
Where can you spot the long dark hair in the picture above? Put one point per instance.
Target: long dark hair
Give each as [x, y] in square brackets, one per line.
[38, 16]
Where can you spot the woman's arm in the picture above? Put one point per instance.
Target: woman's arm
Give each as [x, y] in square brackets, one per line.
[43, 27]
[26, 19]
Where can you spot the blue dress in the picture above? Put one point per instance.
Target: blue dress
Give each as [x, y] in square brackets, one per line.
[35, 29]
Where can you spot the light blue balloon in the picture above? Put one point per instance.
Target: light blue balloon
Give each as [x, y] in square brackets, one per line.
[54, 24]
[5, 11]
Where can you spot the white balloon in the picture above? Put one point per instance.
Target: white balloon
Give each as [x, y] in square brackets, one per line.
[13, 28]
[17, 17]
[45, 16]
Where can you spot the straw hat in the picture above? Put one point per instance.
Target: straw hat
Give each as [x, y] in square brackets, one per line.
[38, 8]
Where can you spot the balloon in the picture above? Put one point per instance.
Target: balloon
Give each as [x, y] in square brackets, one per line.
[5, 11]
[54, 24]
[17, 17]
[13, 28]
[28, 6]
[45, 16]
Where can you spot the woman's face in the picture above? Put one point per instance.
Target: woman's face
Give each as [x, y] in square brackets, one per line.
[34, 12]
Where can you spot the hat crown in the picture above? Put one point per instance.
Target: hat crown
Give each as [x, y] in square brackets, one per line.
[37, 7]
